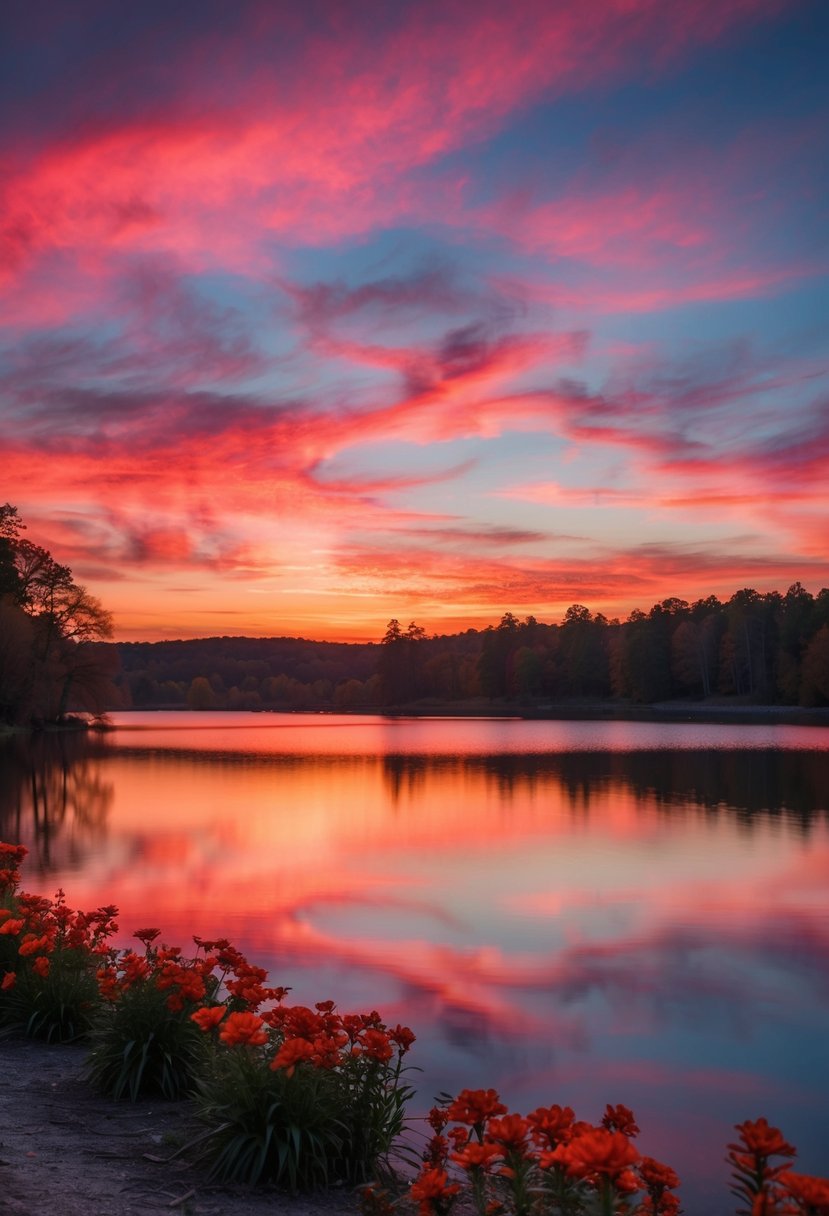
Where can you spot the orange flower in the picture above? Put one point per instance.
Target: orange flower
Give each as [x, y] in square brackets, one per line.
[597, 1151]
[208, 1017]
[475, 1106]
[243, 1029]
[9, 981]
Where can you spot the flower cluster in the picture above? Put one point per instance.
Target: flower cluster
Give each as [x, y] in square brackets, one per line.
[323, 1090]
[772, 1190]
[544, 1162]
[48, 956]
[295, 1035]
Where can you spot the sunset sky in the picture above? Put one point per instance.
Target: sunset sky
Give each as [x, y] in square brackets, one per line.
[314, 315]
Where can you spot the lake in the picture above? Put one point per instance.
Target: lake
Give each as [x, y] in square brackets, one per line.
[573, 912]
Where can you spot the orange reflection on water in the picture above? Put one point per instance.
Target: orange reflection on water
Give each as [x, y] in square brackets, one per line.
[552, 922]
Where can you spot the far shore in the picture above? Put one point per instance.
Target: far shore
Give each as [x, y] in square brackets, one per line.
[725, 712]
[722, 711]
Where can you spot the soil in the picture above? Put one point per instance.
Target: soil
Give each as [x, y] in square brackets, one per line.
[65, 1149]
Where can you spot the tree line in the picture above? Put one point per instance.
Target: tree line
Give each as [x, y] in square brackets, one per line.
[769, 648]
[766, 648]
[51, 629]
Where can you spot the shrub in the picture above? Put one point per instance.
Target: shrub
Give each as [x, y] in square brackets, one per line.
[49, 956]
[144, 1041]
[302, 1097]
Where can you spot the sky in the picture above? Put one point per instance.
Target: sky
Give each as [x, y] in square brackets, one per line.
[314, 316]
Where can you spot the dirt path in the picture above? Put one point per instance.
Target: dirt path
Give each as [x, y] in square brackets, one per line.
[65, 1149]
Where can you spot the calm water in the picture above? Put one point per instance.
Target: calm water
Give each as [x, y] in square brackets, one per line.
[571, 912]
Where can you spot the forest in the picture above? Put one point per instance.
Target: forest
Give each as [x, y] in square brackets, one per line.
[768, 648]
[755, 648]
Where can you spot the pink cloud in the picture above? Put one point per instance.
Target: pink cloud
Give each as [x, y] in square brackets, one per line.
[279, 150]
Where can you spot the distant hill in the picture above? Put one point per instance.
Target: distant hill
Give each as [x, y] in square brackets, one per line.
[755, 648]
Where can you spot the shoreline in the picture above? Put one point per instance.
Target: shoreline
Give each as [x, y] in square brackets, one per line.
[685, 712]
[64, 1147]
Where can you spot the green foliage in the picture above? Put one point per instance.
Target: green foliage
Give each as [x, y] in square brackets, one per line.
[59, 1007]
[269, 1127]
[141, 1048]
[299, 1128]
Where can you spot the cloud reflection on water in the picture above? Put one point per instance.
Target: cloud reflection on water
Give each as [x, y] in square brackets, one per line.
[558, 925]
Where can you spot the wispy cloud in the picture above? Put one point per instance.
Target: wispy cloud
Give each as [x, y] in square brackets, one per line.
[446, 288]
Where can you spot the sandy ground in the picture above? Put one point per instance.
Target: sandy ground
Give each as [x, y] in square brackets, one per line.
[64, 1149]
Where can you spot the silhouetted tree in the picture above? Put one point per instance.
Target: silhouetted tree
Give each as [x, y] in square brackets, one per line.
[399, 665]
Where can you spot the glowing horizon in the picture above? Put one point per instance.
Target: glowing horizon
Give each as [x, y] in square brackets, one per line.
[430, 311]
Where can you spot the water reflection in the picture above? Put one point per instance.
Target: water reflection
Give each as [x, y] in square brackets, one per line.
[54, 794]
[641, 922]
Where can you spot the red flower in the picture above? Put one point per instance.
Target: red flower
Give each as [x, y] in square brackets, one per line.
[291, 1053]
[762, 1140]
[475, 1106]
[551, 1124]
[654, 1174]
[812, 1194]
[620, 1119]
[432, 1187]
[436, 1150]
[41, 966]
[14, 852]
[108, 986]
[9, 981]
[146, 935]
[243, 1029]
[597, 1151]
[327, 1049]
[402, 1037]
[510, 1131]
[135, 967]
[376, 1045]
[208, 1017]
[478, 1156]
[31, 943]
